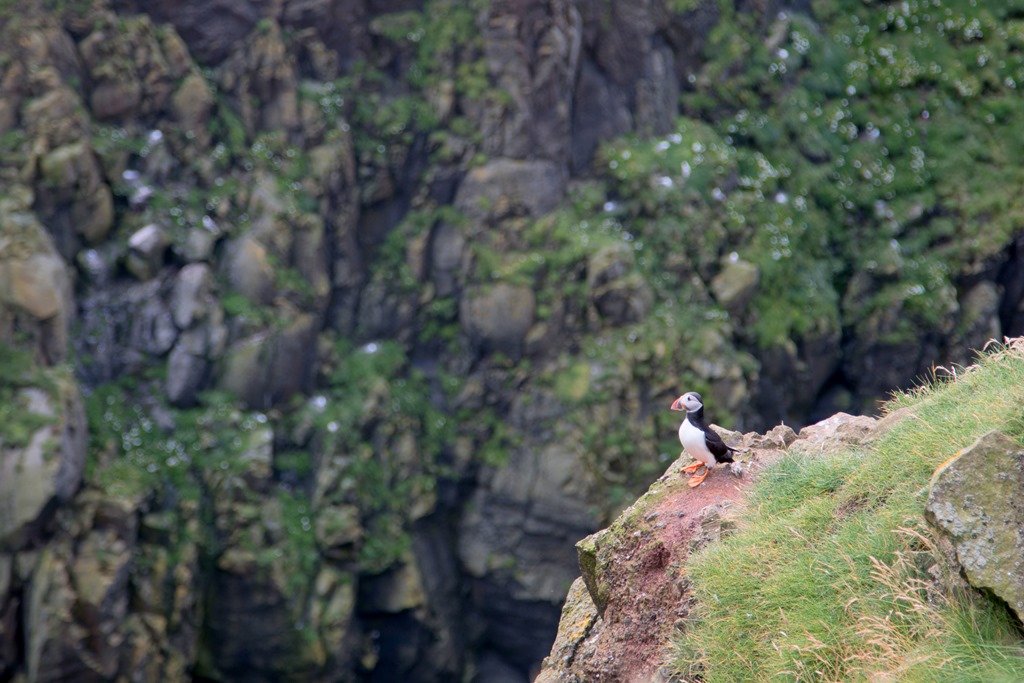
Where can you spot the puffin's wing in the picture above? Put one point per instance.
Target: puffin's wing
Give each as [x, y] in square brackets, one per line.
[717, 447]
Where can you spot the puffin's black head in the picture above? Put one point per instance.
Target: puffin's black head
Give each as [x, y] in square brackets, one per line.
[690, 402]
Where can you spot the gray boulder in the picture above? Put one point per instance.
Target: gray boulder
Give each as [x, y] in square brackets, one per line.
[499, 316]
[532, 50]
[974, 499]
[837, 433]
[248, 270]
[736, 284]
[45, 468]
[192, 297]
[272, 365]
[619, 293]
[35, 288]
[507, 187]
[146, 248]
[71, 179]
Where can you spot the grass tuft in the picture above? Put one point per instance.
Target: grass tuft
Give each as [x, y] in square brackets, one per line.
[833, 574]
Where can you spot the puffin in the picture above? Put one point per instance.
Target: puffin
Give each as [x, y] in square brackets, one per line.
[702, 443]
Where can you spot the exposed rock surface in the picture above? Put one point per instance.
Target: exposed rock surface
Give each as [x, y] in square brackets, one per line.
[508, 187]
[500, 316]
[631, 593]
[735, 285]
[974, 499]
[35, 287]
[633, 590]
[42, 471]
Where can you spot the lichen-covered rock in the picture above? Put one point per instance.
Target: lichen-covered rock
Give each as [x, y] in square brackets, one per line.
[532, 51]
[508, 187]
[51, 652]
[146, 248]
[187, 367]
[338, 531]
[974, 498]
[192, 104]
[332, 615]
[734, 286]
[587, 550]
[71, 175]
[248, 270]
[499, 316]
[56, 116]
[192, 298]
[446, 254]
[153, 329]
[78, 592]
[45, 470]
[261, 74]
[578, 616]
[837, 432]
[780, 436]
[129, 72]
[196, 311]
[271, 366]
[35, 288]
[40, 80]
[619, 294]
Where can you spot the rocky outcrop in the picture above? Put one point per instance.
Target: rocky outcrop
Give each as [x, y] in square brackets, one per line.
[35, 287]
[515, 544]
[973, 499]
[499, 316]
[630, 593]
[735, 284]
[619, 294]
[633, 591]
[532, 50]
[42, 459]
[508, 187]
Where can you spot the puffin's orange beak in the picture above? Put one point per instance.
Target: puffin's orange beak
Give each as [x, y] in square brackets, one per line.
[678, 405]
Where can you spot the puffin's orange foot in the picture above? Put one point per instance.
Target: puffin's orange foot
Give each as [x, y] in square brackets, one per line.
[693, 467]
[698, 479]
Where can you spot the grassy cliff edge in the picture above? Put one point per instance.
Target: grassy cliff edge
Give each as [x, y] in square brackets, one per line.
[816, 564]
[833, 573]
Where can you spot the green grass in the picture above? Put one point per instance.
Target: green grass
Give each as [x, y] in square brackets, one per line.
[827, 577]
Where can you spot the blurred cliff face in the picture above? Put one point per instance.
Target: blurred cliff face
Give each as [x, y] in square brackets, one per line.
[328, 327]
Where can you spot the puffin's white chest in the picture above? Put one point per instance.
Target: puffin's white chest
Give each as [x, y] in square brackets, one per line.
[694, 443]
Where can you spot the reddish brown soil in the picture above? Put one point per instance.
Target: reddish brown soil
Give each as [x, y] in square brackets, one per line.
[639, 562]
[647, 586]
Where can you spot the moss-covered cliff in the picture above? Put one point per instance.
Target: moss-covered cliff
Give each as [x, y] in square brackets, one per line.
[354, 316]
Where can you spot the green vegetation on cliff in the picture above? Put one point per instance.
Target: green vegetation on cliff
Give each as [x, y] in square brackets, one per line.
[18, 373]
[833, 574]
[864, 156]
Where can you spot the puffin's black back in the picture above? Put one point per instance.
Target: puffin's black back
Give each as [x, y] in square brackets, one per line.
[718, 448]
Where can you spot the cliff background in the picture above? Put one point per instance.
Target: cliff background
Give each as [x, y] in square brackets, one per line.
[330, 326]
